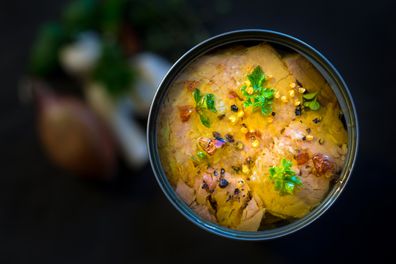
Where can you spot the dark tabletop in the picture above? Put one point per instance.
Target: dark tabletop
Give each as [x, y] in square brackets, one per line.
[49, 216]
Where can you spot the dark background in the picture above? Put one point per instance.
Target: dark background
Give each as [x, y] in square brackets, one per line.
[48, 216]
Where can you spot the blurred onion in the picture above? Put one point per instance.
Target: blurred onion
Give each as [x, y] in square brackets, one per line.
[74, 138]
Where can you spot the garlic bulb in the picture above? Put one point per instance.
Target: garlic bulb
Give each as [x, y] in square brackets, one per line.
[80, 57]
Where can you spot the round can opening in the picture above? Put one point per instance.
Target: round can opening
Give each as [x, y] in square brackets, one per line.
[281, 41]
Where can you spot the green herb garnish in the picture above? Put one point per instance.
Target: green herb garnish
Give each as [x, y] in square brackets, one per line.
[210, 102]
[201, 155]
[113, 70]
[204, 119]
[258, 96]
[310, 101]
[203, 103]
[199, 158]
[284, 178]
[197, 95]
[257, 77]
[44, 58]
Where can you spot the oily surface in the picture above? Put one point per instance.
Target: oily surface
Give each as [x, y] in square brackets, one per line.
[249, 201]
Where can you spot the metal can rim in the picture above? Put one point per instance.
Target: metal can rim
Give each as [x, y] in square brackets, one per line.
[337, 84]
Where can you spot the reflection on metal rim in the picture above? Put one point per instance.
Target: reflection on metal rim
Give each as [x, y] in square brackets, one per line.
[250, 36]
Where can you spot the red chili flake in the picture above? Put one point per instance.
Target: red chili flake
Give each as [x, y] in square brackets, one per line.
[185, 112]
[322, 163]
[232, 94]
[302, 158]
[191, 85]
[207, 145]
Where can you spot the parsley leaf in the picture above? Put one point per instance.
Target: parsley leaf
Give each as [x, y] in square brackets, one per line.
[313, 105]
[256, 78]
[210, 102]
[310, 96]
[197, 96]
[310, 101]
[284, 178]
[203, 103]
[204, 119]
[258, 96]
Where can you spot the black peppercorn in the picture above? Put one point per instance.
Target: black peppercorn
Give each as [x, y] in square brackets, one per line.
[229, 138]
[234, 108]
[237, 169]
[249, 160]
[220, 117]
[216, 135]
[273, 113]
[223, 183]
[298, 110]
[316, 120]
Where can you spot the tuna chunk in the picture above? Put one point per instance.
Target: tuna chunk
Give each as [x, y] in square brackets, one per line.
[307, 196]
[251, 216]
[231, 200]
[185, 192]
[203, 212]
[219, 159]
[309, 77]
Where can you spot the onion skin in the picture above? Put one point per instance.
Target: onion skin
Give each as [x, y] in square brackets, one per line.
[74, 138]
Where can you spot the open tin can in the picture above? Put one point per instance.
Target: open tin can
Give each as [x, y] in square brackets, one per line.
[250, 37]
